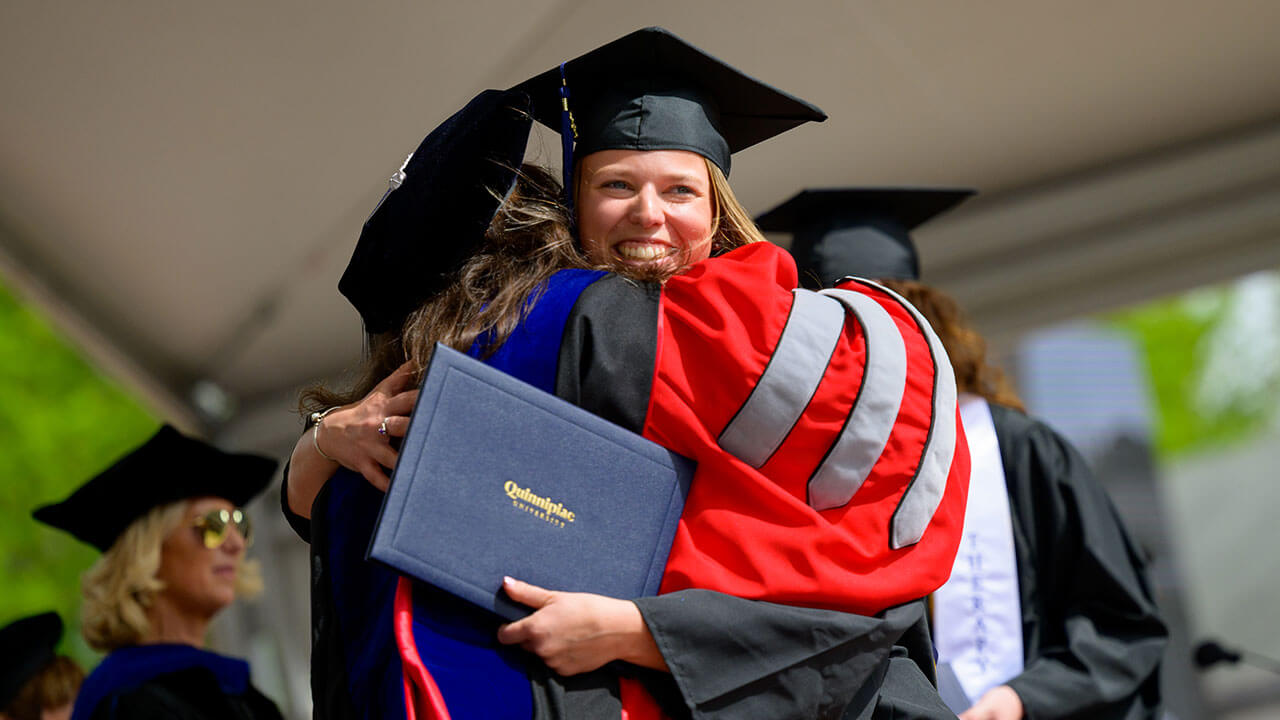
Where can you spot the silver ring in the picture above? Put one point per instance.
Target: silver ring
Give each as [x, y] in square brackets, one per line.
[382, 429]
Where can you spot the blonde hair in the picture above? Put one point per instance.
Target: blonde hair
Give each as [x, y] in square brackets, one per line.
[731, 224]
[120, 587]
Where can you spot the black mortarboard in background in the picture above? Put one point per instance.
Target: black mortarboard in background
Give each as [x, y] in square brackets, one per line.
[438, 208]
[167, 468]
[864, 232]
[650, 90]
[26, 647]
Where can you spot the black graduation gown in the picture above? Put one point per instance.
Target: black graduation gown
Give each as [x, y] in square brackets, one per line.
[729, 657]
[1092, 636]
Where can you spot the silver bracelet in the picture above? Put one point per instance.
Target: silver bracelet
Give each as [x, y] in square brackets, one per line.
[316, 419]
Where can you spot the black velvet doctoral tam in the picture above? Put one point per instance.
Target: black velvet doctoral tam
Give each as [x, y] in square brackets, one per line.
[438, 208]
[167, 468]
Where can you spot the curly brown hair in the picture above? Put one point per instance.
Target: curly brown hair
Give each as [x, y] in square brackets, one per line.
[965, 345]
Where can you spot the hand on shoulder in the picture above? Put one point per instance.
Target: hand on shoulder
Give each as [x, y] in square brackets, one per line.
[356, 436]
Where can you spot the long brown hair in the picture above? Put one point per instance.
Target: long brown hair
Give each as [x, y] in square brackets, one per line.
[732, 225]
[965, 345]
[486, 298]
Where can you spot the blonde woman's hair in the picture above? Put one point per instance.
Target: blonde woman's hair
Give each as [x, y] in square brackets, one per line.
[731, 224]
[119, 589]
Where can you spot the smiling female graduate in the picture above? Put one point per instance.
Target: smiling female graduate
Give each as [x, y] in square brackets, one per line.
[167, 518]
[830, 475]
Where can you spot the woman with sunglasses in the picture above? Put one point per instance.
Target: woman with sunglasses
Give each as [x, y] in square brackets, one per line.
[169, 522]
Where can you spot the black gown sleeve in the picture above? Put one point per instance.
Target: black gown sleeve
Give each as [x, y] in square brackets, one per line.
[735, 658]
[905, 693]
[608, 350]
[301, 526]
[1092, 634]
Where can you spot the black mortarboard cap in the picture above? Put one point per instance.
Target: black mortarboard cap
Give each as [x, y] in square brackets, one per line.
[26, 647]
[864, 232]
[438, 208]
[167, 468]
[650, 90]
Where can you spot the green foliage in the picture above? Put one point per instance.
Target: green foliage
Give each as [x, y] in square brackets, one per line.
[61, 421]
[1178, 338]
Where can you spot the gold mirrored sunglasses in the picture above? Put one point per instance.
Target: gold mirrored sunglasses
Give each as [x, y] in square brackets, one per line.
[214, 524]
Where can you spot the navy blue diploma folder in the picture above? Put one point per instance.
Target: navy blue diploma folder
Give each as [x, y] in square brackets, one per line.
[497, 477]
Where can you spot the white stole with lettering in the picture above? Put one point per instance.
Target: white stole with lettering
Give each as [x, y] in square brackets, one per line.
[977, 613]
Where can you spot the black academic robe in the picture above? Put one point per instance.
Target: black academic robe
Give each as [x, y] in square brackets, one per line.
[1092, 636]
[185, 694]
[155, 682]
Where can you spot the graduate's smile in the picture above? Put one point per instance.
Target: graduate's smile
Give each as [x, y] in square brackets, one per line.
[645, 210]
[642, 250]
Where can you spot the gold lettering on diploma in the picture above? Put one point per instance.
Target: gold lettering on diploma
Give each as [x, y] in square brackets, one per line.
[543, 508]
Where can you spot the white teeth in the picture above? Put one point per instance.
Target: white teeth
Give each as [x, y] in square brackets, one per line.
[642, 252]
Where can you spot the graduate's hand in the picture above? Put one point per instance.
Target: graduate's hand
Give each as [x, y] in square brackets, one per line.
[579, 632]
[998, 703]
[352, 435]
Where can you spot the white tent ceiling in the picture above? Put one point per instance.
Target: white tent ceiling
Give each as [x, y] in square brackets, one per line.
[181, 184]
